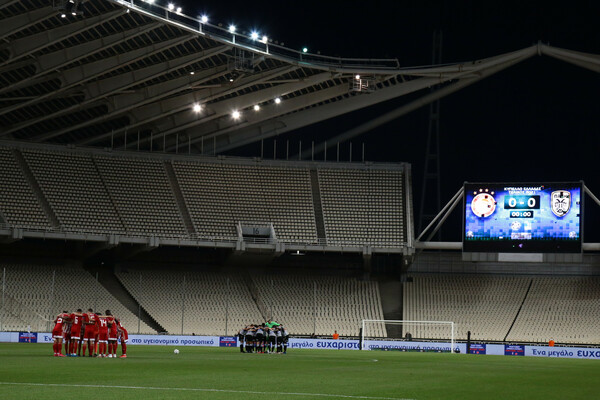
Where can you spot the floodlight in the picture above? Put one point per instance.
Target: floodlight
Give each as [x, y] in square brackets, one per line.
[197, 107]
[265, 39]
[63, 15]
[204, 19]
[231, 28]
[178, 10]
[305, 49]
[192, 72]
[236, 114]
[277, 100]
[254, 35]
[256, 107]
[357, 77]
[171, 6]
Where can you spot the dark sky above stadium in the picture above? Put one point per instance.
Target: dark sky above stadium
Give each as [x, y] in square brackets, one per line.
[536, 121]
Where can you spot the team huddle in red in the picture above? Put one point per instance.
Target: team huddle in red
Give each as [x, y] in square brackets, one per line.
[98, 333]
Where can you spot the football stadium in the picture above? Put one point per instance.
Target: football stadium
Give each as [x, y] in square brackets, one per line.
[163, 201]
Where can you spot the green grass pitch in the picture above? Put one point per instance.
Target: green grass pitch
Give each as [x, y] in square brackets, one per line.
[28, 371]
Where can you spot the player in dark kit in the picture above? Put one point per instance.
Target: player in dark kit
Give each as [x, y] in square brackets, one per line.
[259, 339]
[285, 337]
[272, 339]
[250, 338]
[241, 336]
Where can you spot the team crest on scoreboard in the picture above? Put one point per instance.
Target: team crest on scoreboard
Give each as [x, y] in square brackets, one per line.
[561, 202]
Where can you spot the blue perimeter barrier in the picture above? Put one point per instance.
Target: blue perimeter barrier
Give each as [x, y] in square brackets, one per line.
[331, 344]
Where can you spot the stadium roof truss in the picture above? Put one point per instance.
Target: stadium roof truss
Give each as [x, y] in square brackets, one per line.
[114, 67]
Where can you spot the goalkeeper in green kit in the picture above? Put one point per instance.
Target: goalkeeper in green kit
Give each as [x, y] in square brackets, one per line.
[272, 324]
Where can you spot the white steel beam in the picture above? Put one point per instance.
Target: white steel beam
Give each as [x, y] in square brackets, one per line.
[83, 73]
[30, 44]
[20, 22]
[224, 108]
[143, 111]
[484, 71]
[8, 3]
[584, 60]
[134, 102]
[267, 119]
[99, 90]
[49, 63]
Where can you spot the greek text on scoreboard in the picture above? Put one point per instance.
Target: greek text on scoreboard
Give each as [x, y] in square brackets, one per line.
[528, 218]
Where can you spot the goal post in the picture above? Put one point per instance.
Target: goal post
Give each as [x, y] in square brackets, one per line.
[380, 334]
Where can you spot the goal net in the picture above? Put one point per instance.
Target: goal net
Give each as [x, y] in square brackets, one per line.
[403, 335]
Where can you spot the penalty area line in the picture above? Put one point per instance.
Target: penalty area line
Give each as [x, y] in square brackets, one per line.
[341, 396]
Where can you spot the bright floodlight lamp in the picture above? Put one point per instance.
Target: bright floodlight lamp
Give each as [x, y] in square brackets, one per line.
[232, 28]
[357, 77]
[265, 39]
[204, 19]
[256, 107]
[63, 15]
[171, 6]
[197, 107]
[178, 10]
[236, 114]
[277, 100]
[305, 49]
[254, 35]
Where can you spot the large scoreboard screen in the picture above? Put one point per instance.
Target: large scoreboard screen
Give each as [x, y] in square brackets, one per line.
[523, 218]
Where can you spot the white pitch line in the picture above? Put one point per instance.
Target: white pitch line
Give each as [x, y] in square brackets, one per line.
[345, 396]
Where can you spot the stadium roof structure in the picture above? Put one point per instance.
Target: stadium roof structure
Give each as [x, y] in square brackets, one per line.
[90, 72]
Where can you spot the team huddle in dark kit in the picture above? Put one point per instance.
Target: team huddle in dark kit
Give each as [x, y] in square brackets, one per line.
[269, 337]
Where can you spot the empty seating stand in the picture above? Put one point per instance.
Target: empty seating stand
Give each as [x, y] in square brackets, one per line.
[75, 191]
[564, 309]
[220, 195]
[201, 303]
[142, 195]
[185, 197]
[46, 290]
[363, 206]
[486, 305]
[18, 203]
[320, 304]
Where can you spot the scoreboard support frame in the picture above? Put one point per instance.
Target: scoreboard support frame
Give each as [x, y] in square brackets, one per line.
[435, 224]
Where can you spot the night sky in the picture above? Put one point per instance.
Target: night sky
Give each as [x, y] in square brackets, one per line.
[537, 121]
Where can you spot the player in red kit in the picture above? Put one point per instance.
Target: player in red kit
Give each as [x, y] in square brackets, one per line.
[123, 337]
[112, 335]
[67, 334]
[90, 321]
[96, 334]
[102, 335]
[57, 333]
[76, 325]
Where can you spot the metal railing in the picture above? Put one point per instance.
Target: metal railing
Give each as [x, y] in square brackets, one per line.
[202, 238]
[255, 44]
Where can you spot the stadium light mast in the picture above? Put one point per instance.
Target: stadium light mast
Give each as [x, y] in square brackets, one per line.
[431, 169]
